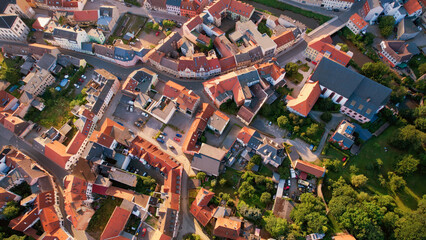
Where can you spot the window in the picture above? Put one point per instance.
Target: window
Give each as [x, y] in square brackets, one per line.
[339, 99]
[360, 107]
[353, 103]
[332, 95]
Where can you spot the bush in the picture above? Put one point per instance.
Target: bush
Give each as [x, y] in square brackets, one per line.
[386, 24]
[326, 105]
[359, 180]
[396, 182]
[229, 107]
[326, 117]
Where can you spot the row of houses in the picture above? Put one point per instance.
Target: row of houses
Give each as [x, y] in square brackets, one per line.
[188, 8]
[42, 205]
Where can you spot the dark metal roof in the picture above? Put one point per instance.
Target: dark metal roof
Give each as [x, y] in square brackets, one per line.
[6, 21]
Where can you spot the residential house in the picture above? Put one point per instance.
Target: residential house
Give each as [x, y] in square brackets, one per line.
[227, 228]
[156, 5]
[227, 64]
[198, 66]
[337, 4]
[284, 40]
[190, 8]
[69, 38]
[186, 47]
[413, 8]
[19, 7]
[356, 24]
[395, 52]
[61, 4]
[95, 35]
[271, 152]
[85, 17]
[186, 100]
[224, 47]
[25, 221]
[371, 10]
[116, 224]
[108, 17]
[282, 207]
[12, 28]
[36, 82]
[236, 10]
[152, 155]
[77, 198]
[41, 23]
[344, 135]
[343, 236]
[324, 48]
[208, 159]
[271, 72]
[248, 137]
[40, 49]
[218, 122]
[7, 196]
[61, 154]
[191, 145]
[111, 134]
[173, 6]
[47, 62]
[360, 97]
[139, 81]
[305, 101]
[394, 8]
[309, 168]
[199, 207]
[247, 34]
[406, 30]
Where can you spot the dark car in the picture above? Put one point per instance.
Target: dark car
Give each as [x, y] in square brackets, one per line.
[160, 140]
[178, 135]
[128, 5]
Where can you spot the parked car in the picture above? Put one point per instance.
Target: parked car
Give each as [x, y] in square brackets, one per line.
[131, 108]
[163, 133]
[83, 76]
[144, 174]
[344, 159]
[145, 114]
[137, 124]
[161, 136]
[178, 135]
[171, 147]
[176, 139]
[292, 173]
[160, 140]
[269, 123]
[157, 33]
[76, 86]
[288, 182]
[143, 232]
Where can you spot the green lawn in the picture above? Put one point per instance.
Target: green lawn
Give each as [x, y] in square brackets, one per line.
[101, 216]
[265, 171]
[304, 67]
[333, 154]
[232, 177]
[372, 150]
[415, 62]
[295, 78]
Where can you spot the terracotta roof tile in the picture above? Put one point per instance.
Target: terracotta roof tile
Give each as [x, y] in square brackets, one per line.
[324, 48]
[199, 208]
[241, 8]
[227, 228]
[359, 22]
[306, 99]
[412, 6]
[86, 16]
[49, 219]
[116, 223]
[245, 134]
[186, 98]
[310, 168]
[283, 38]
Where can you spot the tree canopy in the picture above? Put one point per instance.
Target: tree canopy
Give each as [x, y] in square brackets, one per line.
[277, 227]
[386, 24]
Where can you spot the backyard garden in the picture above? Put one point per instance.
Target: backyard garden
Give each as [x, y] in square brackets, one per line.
[104, 209]
[129, 24]
[9, 73]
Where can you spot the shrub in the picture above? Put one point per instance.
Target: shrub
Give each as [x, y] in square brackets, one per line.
[326, 117]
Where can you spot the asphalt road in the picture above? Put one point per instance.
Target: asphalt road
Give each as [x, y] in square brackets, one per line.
[8, 138]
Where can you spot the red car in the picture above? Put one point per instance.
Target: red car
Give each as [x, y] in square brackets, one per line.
[176, 139]
[157, 33]
[344, 159]
[143, 232]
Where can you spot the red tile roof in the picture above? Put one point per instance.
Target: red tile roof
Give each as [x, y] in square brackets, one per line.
[218, 7]
[412, 6]
[116, 223]
[241, 8]
[186, 98]
[86, 16]
[76, 143]
[359, 22]
[197, 127]
[324, 47]
[197, 63]
[245, 134]
[246, 114]
[152, 154]
[227, 228]
[306, 99]
[283, 38]
[172, 186]
[57, 152]
[227, 63]
[203, 38]
[193, 22]
[23, 222]
[45, 199]
[227, 82]
[310, 168]
[270, 68]
[49, 219]
[75, 189]
[199, 208]
[6, 196]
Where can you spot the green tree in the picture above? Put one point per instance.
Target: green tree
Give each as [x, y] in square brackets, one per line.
[265, 198]
[192, 236]
[282, 121]
[312, 130]
[420, 124]
[422, 68]
[407, 164]
[277, 227]
[359, 180]
[326, 117]
[201, 176]
[256, 159]
[291, 68]
[11, 210]
[386, 24]
[213, 183]
[246, 190]
[222, 182]
[375, 71]
[15, 237]
[310, 214]
[344, 47]
[408, 137]
[412, 224]
[396, 182]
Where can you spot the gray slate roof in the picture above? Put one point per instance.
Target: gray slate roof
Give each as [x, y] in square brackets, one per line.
[175, 3]
[6, 21]
[60, 33]
[46, 61]
[362, 93]
[4, 3]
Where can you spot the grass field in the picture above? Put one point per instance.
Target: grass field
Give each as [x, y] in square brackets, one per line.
[372, 150]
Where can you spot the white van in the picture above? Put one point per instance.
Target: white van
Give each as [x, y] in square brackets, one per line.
[292, 173]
